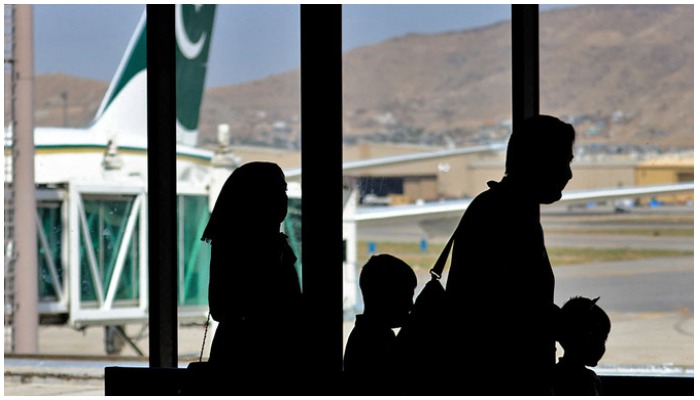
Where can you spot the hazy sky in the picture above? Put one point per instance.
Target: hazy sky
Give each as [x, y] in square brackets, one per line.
[249, 41]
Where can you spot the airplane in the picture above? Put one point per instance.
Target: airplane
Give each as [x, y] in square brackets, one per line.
[120, 121]
[440, 218]
[92, 191]
[453, 209]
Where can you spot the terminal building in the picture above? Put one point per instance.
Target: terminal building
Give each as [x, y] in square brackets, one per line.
[465, 176]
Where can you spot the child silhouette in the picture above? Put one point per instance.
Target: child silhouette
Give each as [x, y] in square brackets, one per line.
[582, 331]
[387, 285]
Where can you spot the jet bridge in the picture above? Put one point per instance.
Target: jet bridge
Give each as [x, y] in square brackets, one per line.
[93, 252]
[92, 244]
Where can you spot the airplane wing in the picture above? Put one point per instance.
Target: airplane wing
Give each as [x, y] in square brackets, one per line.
[582, 196]
[393, 160]
[411, 213]
[453, 209]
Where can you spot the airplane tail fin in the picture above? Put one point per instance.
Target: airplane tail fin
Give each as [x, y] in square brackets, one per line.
[193, 29]
[123, 109]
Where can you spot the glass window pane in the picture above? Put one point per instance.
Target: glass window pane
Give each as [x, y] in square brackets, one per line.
[622, 75]
[418, 79]
[250, 112]
[51, 272]
[193, 253]
[90, 146]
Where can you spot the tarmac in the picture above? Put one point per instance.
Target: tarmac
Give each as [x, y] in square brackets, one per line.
[72, 363]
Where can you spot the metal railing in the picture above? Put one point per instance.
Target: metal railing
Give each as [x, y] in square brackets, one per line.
[8, 211]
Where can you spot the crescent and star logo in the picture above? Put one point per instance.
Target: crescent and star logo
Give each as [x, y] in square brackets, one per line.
[188, 48]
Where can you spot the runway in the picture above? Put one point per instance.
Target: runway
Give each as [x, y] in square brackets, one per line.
[650, 302]
[637, 339]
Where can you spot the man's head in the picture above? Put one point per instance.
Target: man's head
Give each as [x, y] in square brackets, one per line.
[539, 155]
[388, 285]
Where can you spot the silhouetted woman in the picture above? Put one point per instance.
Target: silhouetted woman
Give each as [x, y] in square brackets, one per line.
[254, 290]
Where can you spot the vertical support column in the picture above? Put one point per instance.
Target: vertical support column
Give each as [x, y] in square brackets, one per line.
[525, 33]
[526, 62]
[162, 192]
[322, 181]
[26, 320]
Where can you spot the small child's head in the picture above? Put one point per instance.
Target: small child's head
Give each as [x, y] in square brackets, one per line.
[388, 285]
[583, 329]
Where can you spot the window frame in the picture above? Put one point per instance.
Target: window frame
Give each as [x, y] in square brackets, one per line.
[321, 161]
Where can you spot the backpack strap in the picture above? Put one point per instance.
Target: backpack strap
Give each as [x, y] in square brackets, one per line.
[436, 271]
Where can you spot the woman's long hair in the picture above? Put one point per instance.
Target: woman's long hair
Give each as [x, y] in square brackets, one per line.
[252, 198]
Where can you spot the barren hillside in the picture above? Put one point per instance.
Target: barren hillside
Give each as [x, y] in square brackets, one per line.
[621, 73]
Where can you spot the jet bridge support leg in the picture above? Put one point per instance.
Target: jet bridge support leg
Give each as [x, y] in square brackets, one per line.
[115, 337]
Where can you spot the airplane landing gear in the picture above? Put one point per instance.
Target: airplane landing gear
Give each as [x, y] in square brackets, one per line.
[116, 337]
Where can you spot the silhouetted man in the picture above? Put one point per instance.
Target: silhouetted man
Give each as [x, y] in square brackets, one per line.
[500, 285]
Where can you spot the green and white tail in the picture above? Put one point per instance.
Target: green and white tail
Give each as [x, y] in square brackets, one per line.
[123, 109]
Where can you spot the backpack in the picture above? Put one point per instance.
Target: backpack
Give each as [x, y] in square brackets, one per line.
[417, 348]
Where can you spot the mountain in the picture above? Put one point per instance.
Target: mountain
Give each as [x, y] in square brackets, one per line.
[623, 74]
[62, 100]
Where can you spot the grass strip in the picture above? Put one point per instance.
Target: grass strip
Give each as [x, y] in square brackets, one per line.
[682, 232]
[419, 260]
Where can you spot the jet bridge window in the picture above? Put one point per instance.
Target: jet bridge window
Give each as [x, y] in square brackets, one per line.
[193, 254]
[109, 246]
[49, 239]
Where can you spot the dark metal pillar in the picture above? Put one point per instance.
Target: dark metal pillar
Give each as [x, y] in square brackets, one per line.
[322, 181]
[162, 239]
[526, 62]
